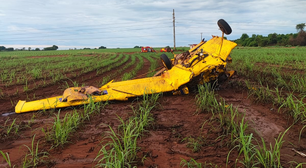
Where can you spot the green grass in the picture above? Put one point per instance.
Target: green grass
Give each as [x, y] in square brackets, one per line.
[194, 143]
[11, 129]
[34, 158]
[272, 67]
[270, 156]
[121, 150]
[55, 68]
[206, 100]
[254, 155]
[153, 64]
[244, 146]
[192, 163]
[91, 109]
[294, 107]
[132, 74]
[7, 159]
[260, 94]
[61, 129]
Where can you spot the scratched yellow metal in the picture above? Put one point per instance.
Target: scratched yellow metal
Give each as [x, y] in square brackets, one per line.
[169, 80]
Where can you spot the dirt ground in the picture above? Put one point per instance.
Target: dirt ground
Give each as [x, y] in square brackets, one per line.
[163, 145]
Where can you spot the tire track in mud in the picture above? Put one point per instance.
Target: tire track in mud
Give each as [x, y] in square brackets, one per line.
[262, 118]
[7, 103]
[166, 143]
[265, 121]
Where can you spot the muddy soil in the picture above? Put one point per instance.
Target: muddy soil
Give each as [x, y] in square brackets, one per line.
[165, 143]
[267, 121]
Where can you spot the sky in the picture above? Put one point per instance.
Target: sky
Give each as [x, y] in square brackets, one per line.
[129, 23]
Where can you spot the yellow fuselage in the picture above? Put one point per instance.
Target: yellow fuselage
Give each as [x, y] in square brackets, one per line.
[217, 50]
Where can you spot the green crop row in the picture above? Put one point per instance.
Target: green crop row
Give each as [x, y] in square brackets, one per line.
[279, 67]
[122, 149]
[251, 151]
[132, 74]
[48, 69]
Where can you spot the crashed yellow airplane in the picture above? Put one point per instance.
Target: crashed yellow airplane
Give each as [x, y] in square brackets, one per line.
[204, 63]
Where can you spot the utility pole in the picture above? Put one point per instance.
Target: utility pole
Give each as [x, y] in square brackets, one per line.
[173, 30]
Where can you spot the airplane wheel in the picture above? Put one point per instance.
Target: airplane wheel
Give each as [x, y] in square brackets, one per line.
[166, 61]
[224, 26]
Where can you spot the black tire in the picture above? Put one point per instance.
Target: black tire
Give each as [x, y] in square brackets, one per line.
[166, 61]
[224, 26]
[222, 78]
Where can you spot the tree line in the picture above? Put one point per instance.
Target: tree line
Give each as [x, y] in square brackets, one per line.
[54, 47]
[3, 48]
[293, 39]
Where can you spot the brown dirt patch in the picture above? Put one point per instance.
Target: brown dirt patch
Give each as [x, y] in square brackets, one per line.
[165, 143]
[145, 69]
[266, 121]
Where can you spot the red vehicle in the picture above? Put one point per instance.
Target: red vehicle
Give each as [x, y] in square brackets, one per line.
[166, 49]
[147, 49]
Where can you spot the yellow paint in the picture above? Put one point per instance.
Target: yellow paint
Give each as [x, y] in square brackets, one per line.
[170, 80]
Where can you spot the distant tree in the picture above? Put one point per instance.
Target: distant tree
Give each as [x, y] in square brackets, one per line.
[272, 38]
[2, 48]
[37, 49]
[262, 41]
[54, 47]
[102, 47]
[282, 39]
[293, 39]
[300, 27]
[29, 49]
[259, 39]
[253, 43]
[244, 36]
[137, 47]
[301, 38]
[9, 49]
[86, 48]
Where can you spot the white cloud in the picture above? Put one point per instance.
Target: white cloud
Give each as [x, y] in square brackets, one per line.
[126, 23]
